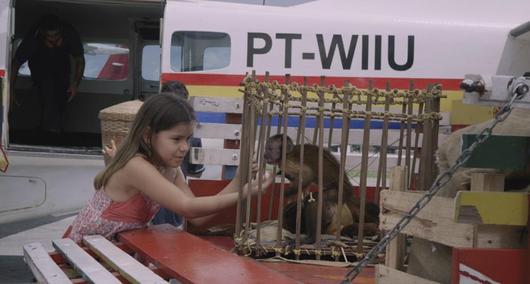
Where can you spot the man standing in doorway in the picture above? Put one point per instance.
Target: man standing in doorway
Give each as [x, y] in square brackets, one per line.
[55, 57]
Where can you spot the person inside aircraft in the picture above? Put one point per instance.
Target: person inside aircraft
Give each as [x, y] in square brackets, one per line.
[55, 57]
[145, 174]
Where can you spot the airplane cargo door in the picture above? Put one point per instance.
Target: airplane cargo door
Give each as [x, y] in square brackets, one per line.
[147, 74]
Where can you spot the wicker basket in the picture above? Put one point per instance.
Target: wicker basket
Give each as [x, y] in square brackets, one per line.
[116, 121]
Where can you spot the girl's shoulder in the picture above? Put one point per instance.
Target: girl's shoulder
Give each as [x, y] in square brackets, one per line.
[138, 164]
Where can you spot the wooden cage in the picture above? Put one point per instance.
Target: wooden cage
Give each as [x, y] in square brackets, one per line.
[406, 121]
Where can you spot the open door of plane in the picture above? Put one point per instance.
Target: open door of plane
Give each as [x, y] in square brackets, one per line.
[5, 33]
[53, 172]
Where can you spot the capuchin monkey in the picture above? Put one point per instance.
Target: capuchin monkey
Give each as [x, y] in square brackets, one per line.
[331, 169]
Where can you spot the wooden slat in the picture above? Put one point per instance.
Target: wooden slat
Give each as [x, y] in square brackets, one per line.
[218, 131]
[233, 131]
[83, 262]
[497, 208]
[230, 157]
[211, 156]
[190, 259]
[44, 269]
[434, 222]
[499, 236]
[122, 262]
[395, 252]
[387, 275]
[487, 182]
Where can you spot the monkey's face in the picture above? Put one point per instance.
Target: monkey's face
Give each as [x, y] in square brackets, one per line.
[273, 152]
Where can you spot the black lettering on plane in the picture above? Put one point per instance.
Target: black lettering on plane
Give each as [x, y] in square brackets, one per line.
[251, 49]
[366, 46]
[392, 51]
[327, 53]
[288, 46]
[377, 56]
[336, 42]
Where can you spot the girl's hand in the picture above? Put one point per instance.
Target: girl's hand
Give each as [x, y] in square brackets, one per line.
[266, 179]
[109, 150]
[254, 170]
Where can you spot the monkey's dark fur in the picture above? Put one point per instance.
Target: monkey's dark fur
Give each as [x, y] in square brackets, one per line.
[331, 171]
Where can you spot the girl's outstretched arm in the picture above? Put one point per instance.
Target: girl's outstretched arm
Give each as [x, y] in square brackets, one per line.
[139, 174]
[233, 186]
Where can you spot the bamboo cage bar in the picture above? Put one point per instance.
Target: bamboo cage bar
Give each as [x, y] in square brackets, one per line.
[318, 237]
[364, 170]
[250, 155]
[243, 174]
[408, 138]
[299, 193]
[261, 163]
[381, 171]
[343, 153]
[285, 107]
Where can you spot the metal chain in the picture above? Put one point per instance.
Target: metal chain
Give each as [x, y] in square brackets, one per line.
[440, 181]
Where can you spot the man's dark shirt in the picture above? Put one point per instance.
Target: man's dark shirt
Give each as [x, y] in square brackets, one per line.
[47, 62]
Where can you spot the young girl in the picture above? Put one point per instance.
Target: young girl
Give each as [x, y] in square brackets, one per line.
[144, 175]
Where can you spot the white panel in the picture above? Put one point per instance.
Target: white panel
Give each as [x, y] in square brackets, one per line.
[217, 104]
[205, 156]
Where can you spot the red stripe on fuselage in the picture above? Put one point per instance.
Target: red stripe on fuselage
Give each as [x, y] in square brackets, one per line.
[359, 82]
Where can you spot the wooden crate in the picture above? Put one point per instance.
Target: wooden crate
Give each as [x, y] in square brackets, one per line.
[485, 220]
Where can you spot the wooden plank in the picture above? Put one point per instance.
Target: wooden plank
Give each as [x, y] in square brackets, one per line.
[487, 182]
[44, 269]
[214, 156]
[83, 262]
[218, 131]
[496, 208]
[499, 236]
[387, 275]
[190, 259]
[401, 202]
[233, 131]
[395, 252]
[434, 222]
[211, 156]
[440, 230]
[122, 262]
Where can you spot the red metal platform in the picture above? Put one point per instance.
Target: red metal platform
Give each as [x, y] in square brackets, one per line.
[191, 259]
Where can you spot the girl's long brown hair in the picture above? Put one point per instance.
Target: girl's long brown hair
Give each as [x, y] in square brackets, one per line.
[158, 113]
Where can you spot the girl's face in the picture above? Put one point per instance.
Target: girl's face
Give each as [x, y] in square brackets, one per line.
[170, 146]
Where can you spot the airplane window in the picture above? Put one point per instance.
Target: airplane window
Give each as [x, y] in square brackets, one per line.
[151, 62]
[216, 57]
[197, 51]
[103, 61]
